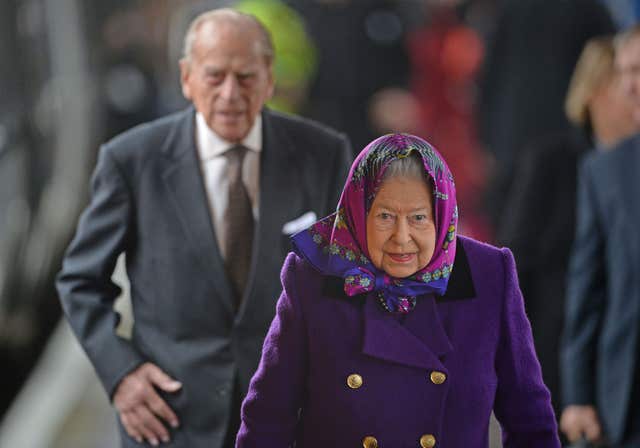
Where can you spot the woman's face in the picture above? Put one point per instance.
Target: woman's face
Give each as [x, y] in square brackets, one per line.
[401, 231]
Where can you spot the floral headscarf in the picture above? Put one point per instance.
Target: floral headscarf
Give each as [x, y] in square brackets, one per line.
[337, 244]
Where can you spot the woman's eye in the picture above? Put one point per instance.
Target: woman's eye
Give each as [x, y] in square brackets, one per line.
[385, 216]
[420, 219]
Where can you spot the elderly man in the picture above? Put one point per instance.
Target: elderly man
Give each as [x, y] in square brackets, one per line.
[201, 203]
[600, 361]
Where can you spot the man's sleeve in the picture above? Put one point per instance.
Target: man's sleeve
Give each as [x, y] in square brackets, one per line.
[84, 284]
[585, 298]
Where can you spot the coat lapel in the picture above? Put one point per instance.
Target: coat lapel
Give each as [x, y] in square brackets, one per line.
[420, 340]
[184, 182]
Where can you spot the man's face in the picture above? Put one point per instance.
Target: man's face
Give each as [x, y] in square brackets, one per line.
[227, 78]
[628, 66]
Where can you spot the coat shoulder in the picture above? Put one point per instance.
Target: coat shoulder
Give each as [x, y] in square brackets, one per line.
[297, 267]
[489, 265]
[480, 251]
[301, 282]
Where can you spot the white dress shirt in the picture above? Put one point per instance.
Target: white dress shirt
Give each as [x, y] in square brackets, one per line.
[211, 152]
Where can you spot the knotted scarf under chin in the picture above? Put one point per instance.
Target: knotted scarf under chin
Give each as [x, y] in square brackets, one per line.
[395, 295]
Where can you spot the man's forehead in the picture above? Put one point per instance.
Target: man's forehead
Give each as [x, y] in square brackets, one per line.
[233, 41]
[234, 64]
[216, 29]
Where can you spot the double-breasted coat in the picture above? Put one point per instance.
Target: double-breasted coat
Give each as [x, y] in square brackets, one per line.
[341, 371]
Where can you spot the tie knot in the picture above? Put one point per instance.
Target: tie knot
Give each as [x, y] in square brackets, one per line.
[235, 154]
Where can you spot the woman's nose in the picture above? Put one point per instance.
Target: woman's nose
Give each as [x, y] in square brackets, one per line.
[402, 234]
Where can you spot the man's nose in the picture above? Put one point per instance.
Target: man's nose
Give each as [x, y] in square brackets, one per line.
[229, 88]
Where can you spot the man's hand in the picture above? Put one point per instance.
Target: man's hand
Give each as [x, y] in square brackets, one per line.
[577, 421]
[141, 409]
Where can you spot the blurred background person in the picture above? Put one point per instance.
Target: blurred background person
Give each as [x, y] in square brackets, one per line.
[530, 57]
[361, 51]
[600, 353]
[198, 203]
[540, 225]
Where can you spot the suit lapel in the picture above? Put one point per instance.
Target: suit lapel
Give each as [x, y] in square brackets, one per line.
[183, 179]
[280, 194]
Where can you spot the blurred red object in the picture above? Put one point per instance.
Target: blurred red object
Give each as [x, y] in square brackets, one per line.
[445, 58]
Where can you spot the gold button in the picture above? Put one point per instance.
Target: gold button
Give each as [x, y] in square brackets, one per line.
[354, 381]
[427, 441]
[370, 442]
[438, 377]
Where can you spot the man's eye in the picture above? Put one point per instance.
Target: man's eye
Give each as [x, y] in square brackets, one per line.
[245, 77]
[214, 77]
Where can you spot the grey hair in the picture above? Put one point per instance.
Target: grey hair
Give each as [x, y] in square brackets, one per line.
[229, 16]
[406, 167]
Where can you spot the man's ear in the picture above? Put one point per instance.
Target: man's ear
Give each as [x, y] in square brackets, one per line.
[272, 83]
[185, 73]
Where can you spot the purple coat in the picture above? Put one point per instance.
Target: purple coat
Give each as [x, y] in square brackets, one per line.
[434, 375]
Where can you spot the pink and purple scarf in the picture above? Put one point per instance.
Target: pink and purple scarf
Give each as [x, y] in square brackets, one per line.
[337, 244]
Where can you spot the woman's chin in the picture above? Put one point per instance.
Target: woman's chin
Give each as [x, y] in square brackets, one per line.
[400, 271]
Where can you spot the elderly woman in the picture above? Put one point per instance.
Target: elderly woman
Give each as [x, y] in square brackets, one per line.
[391, 330]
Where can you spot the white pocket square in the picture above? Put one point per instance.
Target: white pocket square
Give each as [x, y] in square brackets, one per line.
[300, 223]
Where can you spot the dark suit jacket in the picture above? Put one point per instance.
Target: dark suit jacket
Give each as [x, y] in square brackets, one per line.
[539, 229]
[521, 98]
[148, 201]
[600, 347]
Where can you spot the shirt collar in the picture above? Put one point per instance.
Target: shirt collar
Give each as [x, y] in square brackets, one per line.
[211, 145]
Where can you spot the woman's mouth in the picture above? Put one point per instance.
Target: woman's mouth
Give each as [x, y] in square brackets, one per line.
[402, 258]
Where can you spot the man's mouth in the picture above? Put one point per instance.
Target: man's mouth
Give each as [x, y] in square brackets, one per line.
[231, 115]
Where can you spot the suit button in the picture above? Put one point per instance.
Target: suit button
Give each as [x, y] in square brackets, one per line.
[354, 381]
[438, 377]
[427, 441]
[370, 442]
